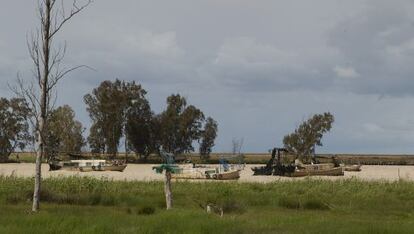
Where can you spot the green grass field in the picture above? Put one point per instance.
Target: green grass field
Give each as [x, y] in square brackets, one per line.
[85, 205]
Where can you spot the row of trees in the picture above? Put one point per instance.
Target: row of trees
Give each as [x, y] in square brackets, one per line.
[117, 109]
[120, 109]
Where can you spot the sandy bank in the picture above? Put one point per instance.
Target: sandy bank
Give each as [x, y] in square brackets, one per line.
[143, 172]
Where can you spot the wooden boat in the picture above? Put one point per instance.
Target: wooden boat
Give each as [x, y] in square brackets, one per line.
[227, 175]
[195, 173]
[85, 168]
[355, 167]
[114, 167]
[191, 171]
[87, 165]
[317, 171]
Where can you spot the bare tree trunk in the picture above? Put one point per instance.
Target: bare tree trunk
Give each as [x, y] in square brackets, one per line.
[43, 103]
[167, 189]
[48, 72]
[38, 178]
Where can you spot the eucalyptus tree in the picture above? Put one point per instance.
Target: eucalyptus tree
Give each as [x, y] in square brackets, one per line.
[180, 125]
[106, 106]
[14, 126]
[64, 132]
[140, 128]
[308, 135]
[117, 109]
[208, 135]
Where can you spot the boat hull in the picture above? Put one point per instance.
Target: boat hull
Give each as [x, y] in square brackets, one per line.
[119, 168]
[185, 172]
[228, 175]
[336, 171]
[85, 169]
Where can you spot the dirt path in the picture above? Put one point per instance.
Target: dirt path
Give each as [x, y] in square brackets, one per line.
[143, 172]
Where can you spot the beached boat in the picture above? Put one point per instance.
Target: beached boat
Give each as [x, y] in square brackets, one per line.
[316, 171]
[85, 168]
[114, 167]
[320, 169]
[355, 167]
[191, 171]
[227, 175]
[87, 165]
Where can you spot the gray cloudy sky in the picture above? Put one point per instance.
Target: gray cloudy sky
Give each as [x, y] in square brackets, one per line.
[258, 67]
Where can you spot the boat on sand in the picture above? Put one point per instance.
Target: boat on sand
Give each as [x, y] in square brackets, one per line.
[87, 165]
[276, 166]
[316, 170]
[192, 171]
[355, 167]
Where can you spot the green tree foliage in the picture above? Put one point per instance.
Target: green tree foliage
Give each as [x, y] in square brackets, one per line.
[208, 135]
[64, 132]
[96, 140]
[106, 107]
[14, 126]
[308, 135]
[140, 125]
[180, 125]
[110, 106]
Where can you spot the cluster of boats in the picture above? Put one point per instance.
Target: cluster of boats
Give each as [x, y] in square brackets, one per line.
[275, 166]
[223, 171]
[87, 165]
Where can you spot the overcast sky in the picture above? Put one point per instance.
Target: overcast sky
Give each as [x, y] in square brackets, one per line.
[258, 67]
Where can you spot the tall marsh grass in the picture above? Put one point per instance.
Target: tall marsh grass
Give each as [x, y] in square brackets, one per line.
[105, 206]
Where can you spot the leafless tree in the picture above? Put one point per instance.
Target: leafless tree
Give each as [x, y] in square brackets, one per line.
[237, 145]
[48, 70]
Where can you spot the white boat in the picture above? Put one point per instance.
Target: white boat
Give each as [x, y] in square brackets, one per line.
[190, 171]
[88, 165]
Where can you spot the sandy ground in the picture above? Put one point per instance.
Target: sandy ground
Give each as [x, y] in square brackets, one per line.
[143, 172]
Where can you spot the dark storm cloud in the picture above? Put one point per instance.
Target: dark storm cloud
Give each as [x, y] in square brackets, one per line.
[378, 44]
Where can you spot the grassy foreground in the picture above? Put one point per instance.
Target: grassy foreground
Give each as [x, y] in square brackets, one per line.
[86, 205]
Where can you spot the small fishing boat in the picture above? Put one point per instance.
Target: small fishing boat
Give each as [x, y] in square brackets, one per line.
[355, 167]
[191, 171]
[320, 169]
[85, 168]
[227, 175]
[114, 167]
[334, 171]
[87, 165]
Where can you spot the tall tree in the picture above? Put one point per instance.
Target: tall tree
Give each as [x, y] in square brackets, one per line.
[48, 71]
[140, 128]
[64, 132]
[308, 135]
[106, 107]
[138, 121]
[208, 135]
[14, 126]
[116, 108]
[96, 140]
[180, 125]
